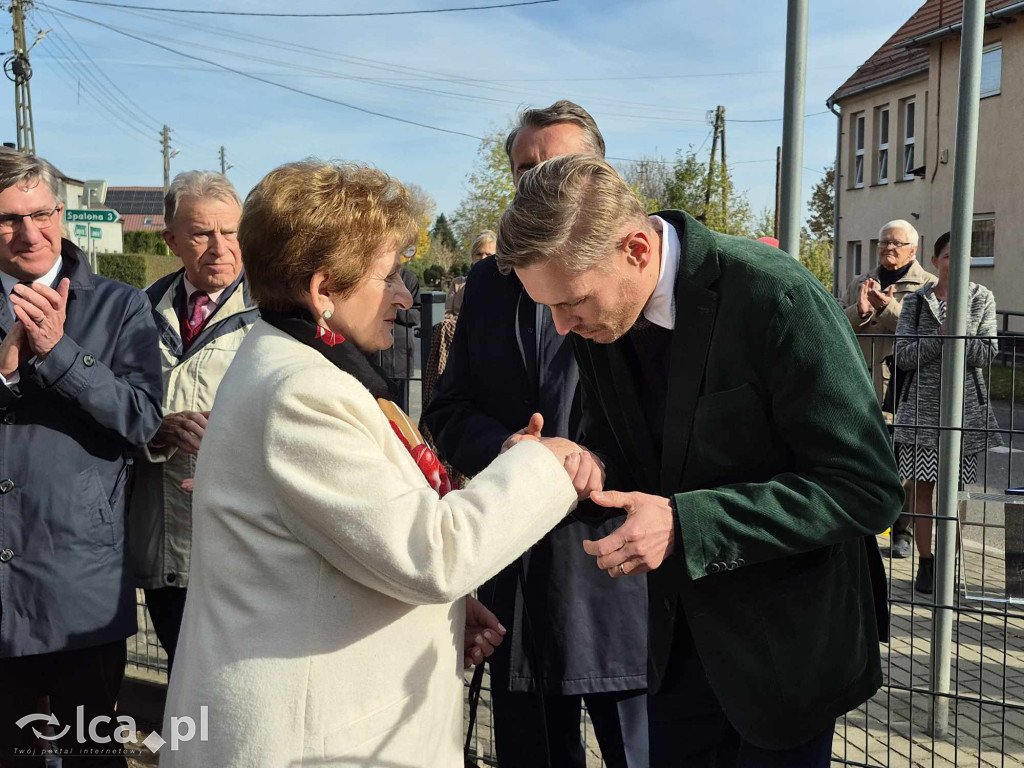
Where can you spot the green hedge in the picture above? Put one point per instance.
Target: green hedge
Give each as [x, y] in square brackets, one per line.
[145, 242]
[127, 267]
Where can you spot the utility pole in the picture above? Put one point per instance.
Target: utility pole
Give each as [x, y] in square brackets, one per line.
[725, 168]
[18, 70]
[717, 129]
[225, 166]
[165, 143]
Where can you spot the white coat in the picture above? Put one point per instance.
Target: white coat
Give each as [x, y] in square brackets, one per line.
[324, 620]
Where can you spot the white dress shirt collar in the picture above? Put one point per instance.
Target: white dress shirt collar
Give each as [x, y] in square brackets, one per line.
[214, 297]
[50, 279]
[661, 307]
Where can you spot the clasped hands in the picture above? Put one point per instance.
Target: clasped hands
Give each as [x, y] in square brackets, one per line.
[644, 540]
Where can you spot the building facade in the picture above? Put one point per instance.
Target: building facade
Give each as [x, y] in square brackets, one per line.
[895, 156]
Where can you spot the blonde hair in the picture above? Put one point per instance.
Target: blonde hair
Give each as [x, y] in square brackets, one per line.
[485, 236]
[313, 216]
[572, 208]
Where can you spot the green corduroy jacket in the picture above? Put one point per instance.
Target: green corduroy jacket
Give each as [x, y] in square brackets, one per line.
[777, 457]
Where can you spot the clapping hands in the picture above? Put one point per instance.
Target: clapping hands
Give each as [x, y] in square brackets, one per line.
[584, 468]
[872, 298]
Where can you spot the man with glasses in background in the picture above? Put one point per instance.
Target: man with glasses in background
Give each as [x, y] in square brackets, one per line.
[79, 395]
[873, 302]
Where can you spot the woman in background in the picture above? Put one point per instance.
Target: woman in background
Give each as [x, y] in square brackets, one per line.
[919, 345]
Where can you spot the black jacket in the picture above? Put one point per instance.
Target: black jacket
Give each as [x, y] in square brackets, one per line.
[67, 433]
[398, 361]
[589, 629]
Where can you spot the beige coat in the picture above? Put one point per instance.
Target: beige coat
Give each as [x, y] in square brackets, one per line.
[882, 322]
[324, 620]
[160, 516]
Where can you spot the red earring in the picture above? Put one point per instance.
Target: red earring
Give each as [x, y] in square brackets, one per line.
[330, 338]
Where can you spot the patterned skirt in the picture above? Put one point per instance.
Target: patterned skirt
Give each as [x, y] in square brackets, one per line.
[922, 463]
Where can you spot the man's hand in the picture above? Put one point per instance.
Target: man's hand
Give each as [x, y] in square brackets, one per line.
[863, 305]
[14, 351]
[640, 544]
[41, 310]
[183, 430]
[483, 633]
[531, 432]
[879, 300]
[586, 472]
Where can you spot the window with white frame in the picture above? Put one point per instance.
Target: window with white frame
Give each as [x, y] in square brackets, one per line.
[853, 254]
[983, 240]
[883, 145]
[909, 138]
[858, 154]
[992, 70]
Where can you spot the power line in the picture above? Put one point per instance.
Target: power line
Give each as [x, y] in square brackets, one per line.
[98, 102]
[123, 101]
[777, 119]
[375, 64]
[313, 15]
[266, 81]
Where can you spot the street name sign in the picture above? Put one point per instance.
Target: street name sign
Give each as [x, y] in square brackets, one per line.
[96, 217]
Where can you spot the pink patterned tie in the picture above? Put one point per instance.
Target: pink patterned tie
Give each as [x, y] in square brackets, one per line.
[196, 320]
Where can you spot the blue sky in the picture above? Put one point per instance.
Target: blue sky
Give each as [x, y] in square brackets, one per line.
[648, 70]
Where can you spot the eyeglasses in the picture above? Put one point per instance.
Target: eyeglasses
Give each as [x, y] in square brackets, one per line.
[42, 220]
[893, 243]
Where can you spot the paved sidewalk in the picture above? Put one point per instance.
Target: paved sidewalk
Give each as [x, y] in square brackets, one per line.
[891, 730]
[988, 660]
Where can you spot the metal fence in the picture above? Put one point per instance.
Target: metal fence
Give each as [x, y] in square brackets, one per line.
[978, 719]
[898, 726]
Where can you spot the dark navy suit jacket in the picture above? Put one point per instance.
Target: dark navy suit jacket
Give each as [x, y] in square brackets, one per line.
[506, 363]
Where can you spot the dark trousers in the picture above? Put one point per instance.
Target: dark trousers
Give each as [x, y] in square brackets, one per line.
[89, 678]
[689, 729]
[166, 607]
[620, 724]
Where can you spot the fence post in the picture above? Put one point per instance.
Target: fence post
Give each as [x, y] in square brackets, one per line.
[952, 391]
[431, 313]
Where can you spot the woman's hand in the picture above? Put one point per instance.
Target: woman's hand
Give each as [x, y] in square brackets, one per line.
[483, 633]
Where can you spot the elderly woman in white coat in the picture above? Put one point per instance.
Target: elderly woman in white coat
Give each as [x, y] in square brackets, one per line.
[325, 619]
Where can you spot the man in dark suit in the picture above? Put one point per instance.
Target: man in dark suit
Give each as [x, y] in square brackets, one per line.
[79, 394]
[727, 395]
[399, 360]
[570, 636]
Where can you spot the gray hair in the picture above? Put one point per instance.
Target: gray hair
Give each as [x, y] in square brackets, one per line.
[19, 169]
[912, 236]
[202, 185]
[485, 236]
[571, 207]
[562, 111]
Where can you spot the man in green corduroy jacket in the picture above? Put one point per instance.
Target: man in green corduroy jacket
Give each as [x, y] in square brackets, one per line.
[726, 394]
